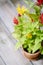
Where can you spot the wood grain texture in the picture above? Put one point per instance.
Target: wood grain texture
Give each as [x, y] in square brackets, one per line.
[7, 51]
[7, 43]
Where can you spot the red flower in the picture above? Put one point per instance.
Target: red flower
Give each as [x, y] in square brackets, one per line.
[19, 15]
[15, 21]
[39, 2]
[41, 18]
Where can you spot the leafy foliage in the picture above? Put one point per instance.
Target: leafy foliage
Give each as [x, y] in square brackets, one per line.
[28, 32]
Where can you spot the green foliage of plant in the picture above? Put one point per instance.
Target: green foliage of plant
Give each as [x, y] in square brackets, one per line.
[26, 27]
[28, 32]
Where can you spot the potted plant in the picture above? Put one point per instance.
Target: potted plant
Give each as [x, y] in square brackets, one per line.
[27, 30]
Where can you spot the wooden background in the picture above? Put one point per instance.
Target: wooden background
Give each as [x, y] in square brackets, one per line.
[8, 55]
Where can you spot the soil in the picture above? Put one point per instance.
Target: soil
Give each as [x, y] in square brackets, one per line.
[25, 49]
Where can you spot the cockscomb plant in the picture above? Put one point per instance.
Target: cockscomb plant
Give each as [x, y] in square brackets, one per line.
[27, 28]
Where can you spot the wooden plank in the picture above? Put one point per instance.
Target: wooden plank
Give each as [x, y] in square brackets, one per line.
[7, 13]
[7, 51]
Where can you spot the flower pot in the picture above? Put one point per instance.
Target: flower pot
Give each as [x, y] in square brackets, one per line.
[31, 56]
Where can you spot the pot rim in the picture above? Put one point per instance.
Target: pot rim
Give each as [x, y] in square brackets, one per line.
[32, 53]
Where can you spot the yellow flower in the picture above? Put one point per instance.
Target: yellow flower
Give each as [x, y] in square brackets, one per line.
[21, 10]
[29, 35]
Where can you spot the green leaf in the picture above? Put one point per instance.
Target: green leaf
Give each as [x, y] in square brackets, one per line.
[37, 44]
[18, 45]
[29, 3]
[16, 36]
[34, 17]
[31, 45]
[41, 50]
[36, 47]
[20, 42]
[32, 4]
[26, 1]
[29, 50]
[37, 10]
[37, 40]
[35, 24]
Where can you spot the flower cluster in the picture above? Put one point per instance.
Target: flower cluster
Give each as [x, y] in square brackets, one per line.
[27, 27]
